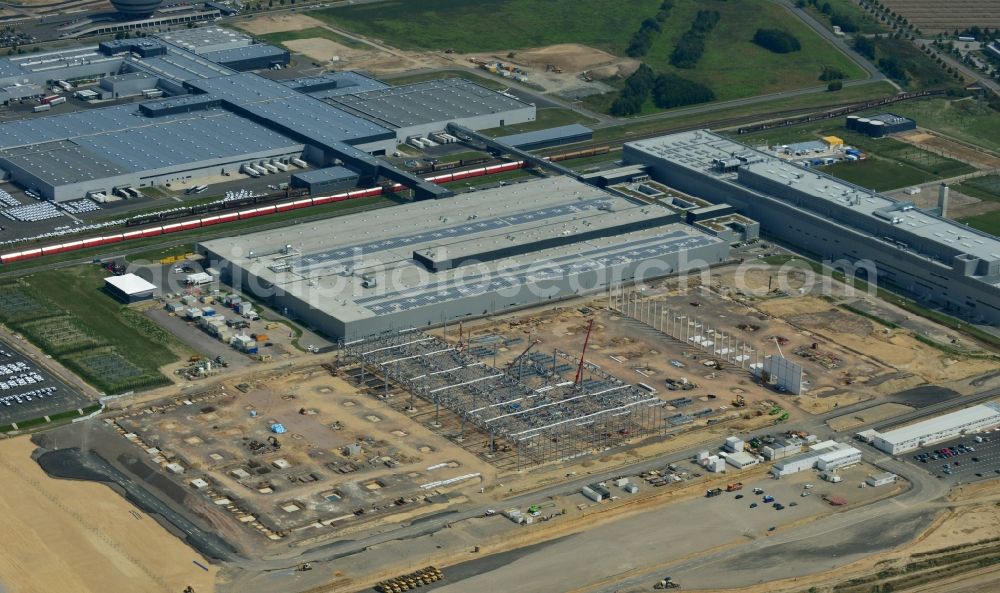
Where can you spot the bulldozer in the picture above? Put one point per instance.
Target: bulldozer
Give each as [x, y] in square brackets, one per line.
[666, 583]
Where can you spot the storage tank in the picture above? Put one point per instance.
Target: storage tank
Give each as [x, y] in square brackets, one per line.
[877, 128]
[852, 122]
[136, 9]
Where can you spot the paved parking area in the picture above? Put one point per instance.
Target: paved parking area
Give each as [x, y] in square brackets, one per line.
[28, 391]
[982, 462]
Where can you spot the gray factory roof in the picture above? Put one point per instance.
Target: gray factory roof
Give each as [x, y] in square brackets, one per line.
[14, 66]
[206, 39]
[62, 162]
[427, 102]
[332, 84]
[118, 139]
[248, 52]
[293, 111]
[326, 174]
[334, 254]
[548, 135]
[700, 150]
[179, 65]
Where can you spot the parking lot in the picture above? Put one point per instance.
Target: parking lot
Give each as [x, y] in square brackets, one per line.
[27, 391]
[976, 461]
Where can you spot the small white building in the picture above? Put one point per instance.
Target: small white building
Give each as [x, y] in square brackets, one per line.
[882, 479]
[780, 449]
[838, 458]
[199, 484]
[742, 460]
[715, 464]
[733, 444]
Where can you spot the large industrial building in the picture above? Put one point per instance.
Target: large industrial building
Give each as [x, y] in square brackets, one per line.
[480, 253]
[216, 118]
[931, 258]
[935, 430]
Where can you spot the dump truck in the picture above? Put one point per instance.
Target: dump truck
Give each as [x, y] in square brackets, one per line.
[734, 487]
[713, 492]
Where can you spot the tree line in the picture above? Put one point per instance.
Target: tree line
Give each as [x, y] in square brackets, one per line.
[642, 39]
[691, 45]
[667, 90]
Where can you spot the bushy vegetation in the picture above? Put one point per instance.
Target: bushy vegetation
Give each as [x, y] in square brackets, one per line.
[635, 92]
[691, 45]
[642, 40]
[671, 90]
[777, 41]
[668, 90]
[830, 73]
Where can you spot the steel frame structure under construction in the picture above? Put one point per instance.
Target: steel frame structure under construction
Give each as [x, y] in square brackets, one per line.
[556, 421]
[688, 330]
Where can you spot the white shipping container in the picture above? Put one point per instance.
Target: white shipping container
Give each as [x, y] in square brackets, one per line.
[299, 163]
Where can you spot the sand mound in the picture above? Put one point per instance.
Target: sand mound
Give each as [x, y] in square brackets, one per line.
[262, 25]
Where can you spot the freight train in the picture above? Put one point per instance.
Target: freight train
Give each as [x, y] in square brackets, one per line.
[837, 112]
[247, 213]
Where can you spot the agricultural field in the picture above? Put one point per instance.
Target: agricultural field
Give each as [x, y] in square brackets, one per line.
[67, 314]
[933, 16]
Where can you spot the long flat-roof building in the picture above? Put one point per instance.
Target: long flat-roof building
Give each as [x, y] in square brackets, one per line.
[935, 430]
[422, 264]
[931, 258]
[219, 119]
[418, 109]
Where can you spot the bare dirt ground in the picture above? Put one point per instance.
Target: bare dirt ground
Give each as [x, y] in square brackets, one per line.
[319, 49]
[893, 347]
[575, 61]
[315, 475]
[264, 24]
[82, 537]
[950, 148]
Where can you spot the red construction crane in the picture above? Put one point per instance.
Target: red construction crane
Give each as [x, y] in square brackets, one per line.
[579, 367]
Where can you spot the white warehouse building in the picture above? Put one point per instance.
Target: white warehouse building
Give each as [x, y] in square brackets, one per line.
[937, 429]
[828, 455]
[838, 458]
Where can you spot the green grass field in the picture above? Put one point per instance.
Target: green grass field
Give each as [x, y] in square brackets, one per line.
[970, 120]
[985, 188]
[500, 25]
[732, 65]
[67, 313]
[311, 33]
[878, 174]
[989, 222]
